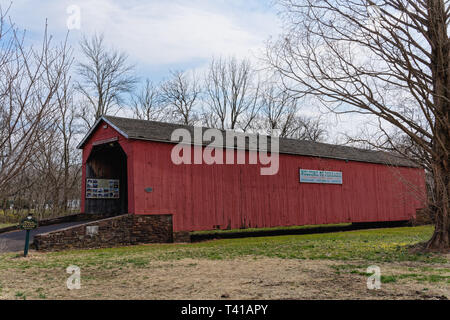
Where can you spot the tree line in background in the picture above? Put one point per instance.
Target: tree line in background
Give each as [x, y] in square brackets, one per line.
[230, 95]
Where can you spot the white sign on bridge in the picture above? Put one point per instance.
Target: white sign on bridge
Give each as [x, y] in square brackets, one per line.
[318, 176]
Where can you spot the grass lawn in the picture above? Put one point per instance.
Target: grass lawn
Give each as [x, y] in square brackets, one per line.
[303, 262]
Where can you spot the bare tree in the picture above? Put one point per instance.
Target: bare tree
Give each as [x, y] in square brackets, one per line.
[53, 176]
[68, 156]
[386, 58]
[308, 128]
[278, 109]
[281, 114]
[147, 103]
[105, 78]
[29, 80]
[231, 94]
[394, 140]
[180, 94]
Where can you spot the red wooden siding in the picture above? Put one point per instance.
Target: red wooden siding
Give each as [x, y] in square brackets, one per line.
[203, 196]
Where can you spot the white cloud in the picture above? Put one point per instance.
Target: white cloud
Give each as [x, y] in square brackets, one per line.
[160, 32]
[167, 33]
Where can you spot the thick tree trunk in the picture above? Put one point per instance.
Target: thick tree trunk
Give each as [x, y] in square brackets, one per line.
[441, 209]
[440, 68]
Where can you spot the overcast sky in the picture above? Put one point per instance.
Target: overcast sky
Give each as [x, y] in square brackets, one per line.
[158, 35]
[166, 35]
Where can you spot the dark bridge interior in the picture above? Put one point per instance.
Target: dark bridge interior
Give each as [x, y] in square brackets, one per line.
[108, 161]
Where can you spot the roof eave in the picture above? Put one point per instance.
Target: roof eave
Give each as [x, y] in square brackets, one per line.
[94, 127]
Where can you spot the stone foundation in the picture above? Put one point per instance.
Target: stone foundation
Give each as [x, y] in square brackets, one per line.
[181, 236]
[121, 230]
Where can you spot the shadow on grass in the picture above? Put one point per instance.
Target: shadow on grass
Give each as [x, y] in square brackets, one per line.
[292, 230]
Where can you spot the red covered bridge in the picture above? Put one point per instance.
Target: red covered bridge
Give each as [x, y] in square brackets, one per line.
[127, 168]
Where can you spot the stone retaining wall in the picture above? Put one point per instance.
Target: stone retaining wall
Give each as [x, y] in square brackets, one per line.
[121, 230]
[181, 236]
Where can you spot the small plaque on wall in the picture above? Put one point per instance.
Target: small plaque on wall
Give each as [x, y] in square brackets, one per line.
[102, 188]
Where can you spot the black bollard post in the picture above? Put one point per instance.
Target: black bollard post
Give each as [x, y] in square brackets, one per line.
[27, 243]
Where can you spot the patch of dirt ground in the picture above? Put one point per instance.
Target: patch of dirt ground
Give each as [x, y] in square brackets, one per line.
[262, 278]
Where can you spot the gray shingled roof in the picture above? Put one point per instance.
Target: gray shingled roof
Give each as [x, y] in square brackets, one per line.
[161, 131]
